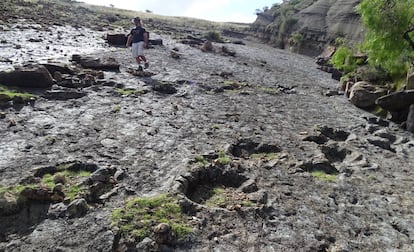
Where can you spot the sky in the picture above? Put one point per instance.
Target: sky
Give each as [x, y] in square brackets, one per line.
[213, 10]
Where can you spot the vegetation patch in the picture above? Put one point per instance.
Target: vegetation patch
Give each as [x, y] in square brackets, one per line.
[214, 184]
[323, 176]
[220, 158]
[139, 216]
[223, 158]
[214, 36]
[116, 108]
[200, 160]
[271, 91]
[12, 93]
[215, 127]
[225, 197]
[70, 180]
[15, 190]
[344, 60]
[127, 92]
[390, 34]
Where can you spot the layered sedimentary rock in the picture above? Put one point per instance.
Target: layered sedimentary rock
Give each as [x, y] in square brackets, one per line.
[317, 22]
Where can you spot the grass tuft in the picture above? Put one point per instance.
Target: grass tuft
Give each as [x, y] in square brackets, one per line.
[323, 176]
[139, 216]
[223, 158]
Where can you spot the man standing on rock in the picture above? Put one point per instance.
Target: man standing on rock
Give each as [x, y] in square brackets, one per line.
[138, 37]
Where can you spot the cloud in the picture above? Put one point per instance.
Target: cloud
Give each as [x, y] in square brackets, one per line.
[212, 9]
[215, 10]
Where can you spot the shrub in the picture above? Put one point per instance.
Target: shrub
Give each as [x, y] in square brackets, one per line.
[343, 60]
[388, 36]
[213, 36]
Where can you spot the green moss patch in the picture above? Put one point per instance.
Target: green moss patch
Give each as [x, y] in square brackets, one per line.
[200, 160]
[15, 190]
[71, 184]
[12, 93]
[128, 92]
[71, 181]
[323, 176]
[137, 218]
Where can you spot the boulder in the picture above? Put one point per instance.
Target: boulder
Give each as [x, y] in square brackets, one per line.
[364, 94]
[77, 208]
[29, 76]
[145, 245]
[9, 204]
[101, 175]
[410, 80]
[192, 41]
[58, 67]
[227, 52]
[370, 73]
[325, 56]
[109, 64]
[164, 88]
[57, 210]
[119, 39]
[410, 119]
[396, 102]
[63, 95]
[37, 194]
[399, 117]
[5, 98]
[249, 186]
[163, 233]
[336, 74]
[155, 41]
[258, 197]
[380, 142]
[207, 46]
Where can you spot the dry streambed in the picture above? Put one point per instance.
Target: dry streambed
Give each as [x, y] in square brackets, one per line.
[206, 151]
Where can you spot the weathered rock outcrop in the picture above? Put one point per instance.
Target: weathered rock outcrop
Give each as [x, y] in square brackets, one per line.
[30, 76]
[410, 80]
[364, 94]
[397, 101]
[319, 22]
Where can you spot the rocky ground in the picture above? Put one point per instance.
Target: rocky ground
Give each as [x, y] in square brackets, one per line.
[302, 169]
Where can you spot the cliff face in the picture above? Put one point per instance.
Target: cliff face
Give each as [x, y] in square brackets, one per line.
[307, 26]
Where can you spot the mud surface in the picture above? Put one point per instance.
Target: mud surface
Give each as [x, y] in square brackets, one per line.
[260, 97]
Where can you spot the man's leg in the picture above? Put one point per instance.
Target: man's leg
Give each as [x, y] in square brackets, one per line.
[138, 60]
[144, 59]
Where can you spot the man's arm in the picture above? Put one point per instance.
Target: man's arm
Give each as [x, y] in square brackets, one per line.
[129, 40]
[146, 39]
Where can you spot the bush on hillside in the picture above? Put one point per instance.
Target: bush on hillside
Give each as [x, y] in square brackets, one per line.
[390, 34]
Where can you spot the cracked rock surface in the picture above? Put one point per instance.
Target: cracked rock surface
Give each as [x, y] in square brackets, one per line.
[262, 108]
